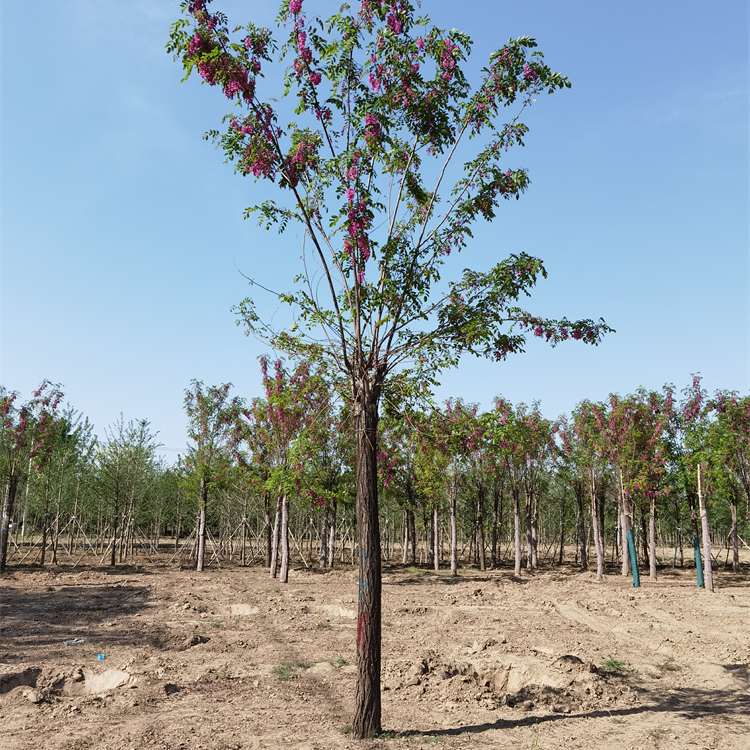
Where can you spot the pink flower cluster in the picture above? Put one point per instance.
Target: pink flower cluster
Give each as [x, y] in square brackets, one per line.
[447, 63]
[295, 6]
[357, 243]
[260, 155]
[373, 129]
[394, 19]
[304, 157]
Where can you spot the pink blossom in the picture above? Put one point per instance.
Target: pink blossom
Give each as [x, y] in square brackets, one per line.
[295, 6]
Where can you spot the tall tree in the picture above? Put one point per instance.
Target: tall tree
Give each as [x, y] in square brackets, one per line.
[27, 435]
[293, 401]
[125, 467]
[211, 417]
[372, 166]
[693, 420]
[729, 441]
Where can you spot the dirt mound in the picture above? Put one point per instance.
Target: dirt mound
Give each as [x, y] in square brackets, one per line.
[503, 680]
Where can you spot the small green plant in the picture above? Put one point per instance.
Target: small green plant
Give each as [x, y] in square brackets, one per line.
[615, 666]
[325, 625]
[225, 673]
[216, 623]
[284, 671]
[341, 662]
[346, 729]
[389, 734]
[387, 624]
[436, 740]
[286, 698]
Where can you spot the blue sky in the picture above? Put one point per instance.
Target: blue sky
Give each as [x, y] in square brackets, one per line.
[122, 230]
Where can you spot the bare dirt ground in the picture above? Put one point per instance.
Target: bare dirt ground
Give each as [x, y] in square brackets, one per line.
[230, 660]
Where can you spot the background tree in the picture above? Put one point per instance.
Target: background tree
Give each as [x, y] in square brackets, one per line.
[26, 440]
[211, 417]
[693, 422]
[125, 468]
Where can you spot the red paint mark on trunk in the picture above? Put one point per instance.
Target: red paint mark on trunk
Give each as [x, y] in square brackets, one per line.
[361, 637]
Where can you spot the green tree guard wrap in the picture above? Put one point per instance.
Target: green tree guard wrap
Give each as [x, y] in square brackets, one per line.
[698, 562]
[633, 561]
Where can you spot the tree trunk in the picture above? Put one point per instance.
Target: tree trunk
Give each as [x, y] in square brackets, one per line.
[706, 534]
[332, 536]
[324, 538]
[267, 526]
[562, 531]
[528, 531]
[454, 533]
[534, 531]
[435, 539]
[644, 538]
[584, 560]
[626, 524]
[735, 546]
[480, 529]
[413, 535]
[275, 540]
[284, 572]
[367, 717]
[495, 513]
[517, 530]
[596, 527]
[405, 550]
[10, 499]
[652, 541]
[202, 525]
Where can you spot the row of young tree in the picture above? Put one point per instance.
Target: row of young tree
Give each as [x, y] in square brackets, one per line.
[263, 479]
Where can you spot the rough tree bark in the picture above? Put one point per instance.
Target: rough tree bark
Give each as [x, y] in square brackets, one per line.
[708, 575]
[284, 572]
[367, 708]
[596, 527]
[534, 531]
[517, 530]
[582, 530]
[332, 536]
[203, 502]
[267, 526]
[10, 500]
[323, 557]
[652, 540]
[735, 545]
[275, 539]
[454, 533]
[480, 529]
[435, 539]
[495, 512]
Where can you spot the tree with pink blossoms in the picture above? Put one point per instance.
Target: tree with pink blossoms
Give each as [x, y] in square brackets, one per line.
[390, 161]
[293, 401]
[26, 440]
[729, 449]
[692, 424]
[635, 429]
[584, 445]
[505, 432]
